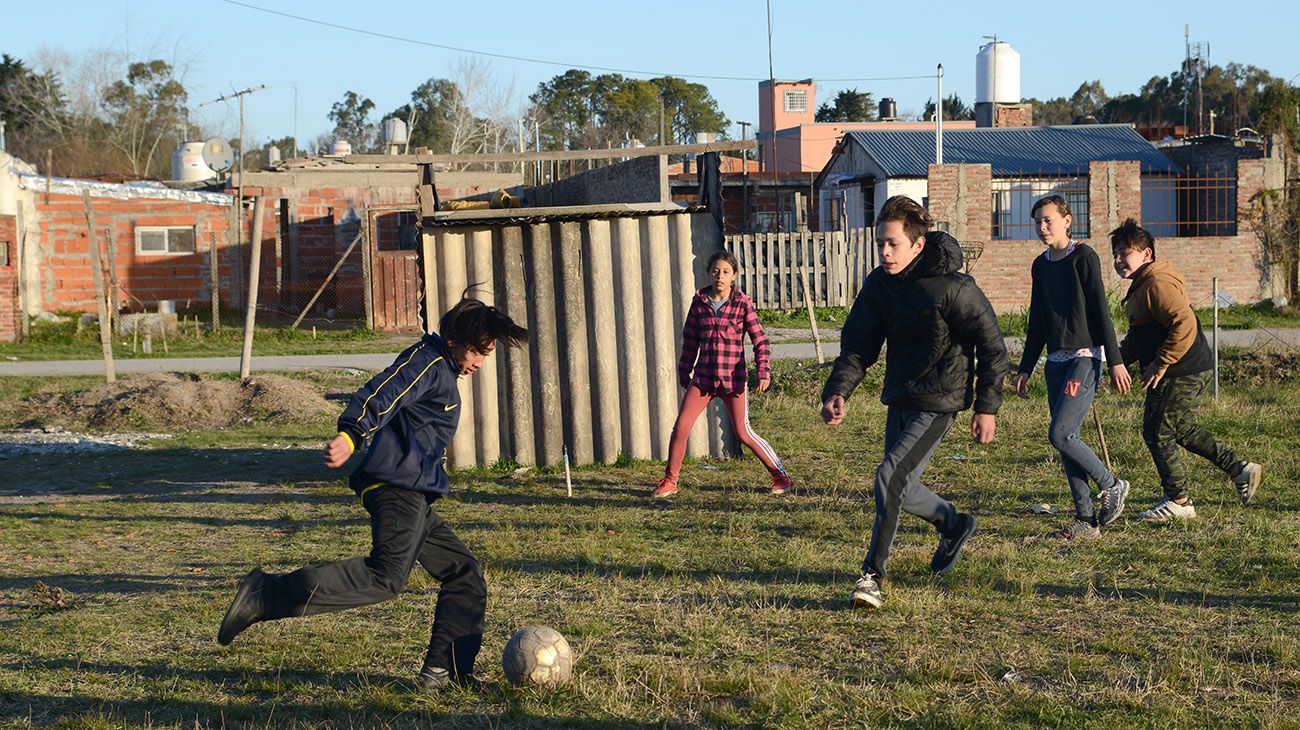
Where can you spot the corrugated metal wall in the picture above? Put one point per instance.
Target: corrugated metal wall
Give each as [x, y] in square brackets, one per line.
[604, 299]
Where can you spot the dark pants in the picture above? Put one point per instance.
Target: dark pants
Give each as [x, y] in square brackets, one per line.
[1071, 387]
[1169, 421]
[404, 530]
[910, 440]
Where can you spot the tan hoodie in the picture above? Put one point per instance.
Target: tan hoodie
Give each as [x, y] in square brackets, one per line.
[1156, 296]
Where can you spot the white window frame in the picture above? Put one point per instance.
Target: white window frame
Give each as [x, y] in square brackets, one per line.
[167, 236]
[790, 95]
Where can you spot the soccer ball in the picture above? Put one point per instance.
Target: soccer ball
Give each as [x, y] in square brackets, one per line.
[538, 656]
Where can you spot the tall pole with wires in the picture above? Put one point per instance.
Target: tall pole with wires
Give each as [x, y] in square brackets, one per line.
[239, 166]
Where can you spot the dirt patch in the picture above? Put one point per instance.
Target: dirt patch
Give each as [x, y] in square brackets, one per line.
[172, 402]
[1258, 368]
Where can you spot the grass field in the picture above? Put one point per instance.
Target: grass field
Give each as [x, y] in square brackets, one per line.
[722, 607]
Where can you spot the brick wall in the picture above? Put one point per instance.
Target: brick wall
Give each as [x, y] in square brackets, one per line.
[67, 282]
[9, 314]
[959, 196]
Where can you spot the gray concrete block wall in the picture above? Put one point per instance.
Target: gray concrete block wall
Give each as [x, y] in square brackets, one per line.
[639, 180]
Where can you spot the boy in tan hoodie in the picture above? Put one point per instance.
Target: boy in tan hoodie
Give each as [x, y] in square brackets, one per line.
[1165, 338]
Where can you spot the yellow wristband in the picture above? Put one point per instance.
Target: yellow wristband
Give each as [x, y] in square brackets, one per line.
[345, 435]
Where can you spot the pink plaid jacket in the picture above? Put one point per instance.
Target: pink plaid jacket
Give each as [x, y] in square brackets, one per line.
[713, 344]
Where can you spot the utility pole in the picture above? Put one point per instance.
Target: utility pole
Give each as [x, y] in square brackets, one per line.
[239, 166]
[771, 74]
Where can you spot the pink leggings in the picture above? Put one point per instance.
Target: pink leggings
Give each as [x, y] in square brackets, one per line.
[737, 406]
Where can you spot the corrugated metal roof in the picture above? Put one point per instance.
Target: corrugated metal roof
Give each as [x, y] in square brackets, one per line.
[1011, 150]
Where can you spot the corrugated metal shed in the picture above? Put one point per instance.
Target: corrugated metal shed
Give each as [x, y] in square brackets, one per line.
[1012, 151]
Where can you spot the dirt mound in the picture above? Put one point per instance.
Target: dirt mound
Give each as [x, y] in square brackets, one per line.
[177, 402]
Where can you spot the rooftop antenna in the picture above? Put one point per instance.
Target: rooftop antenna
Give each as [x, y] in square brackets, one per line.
[239, 225]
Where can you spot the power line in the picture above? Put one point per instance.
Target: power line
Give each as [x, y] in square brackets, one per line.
[458, 49]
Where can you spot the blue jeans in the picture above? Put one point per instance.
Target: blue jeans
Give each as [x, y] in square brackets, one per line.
[1071, 387]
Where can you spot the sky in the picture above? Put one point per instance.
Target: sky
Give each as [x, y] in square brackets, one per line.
[227, 45]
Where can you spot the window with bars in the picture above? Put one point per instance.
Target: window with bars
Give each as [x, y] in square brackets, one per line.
[1014, 198]
[1189, 205]
[164, 239]
[796, 101]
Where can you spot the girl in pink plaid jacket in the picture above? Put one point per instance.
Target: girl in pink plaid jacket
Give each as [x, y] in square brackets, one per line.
[712, 365]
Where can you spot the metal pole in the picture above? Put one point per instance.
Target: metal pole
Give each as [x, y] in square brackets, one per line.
[744, 180]
[295, 120]
[938, 122]
[1215, 284]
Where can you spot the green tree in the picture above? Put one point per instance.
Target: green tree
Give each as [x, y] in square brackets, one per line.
[953, 108]
[850, 105]
[351, 118]
[1088, 100]
[1051, 112]
[1279, 107]
[144, 112]
[690, 108]
[576, 110]
[431, 114]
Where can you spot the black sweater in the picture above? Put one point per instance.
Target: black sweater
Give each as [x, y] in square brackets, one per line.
[1068, 308]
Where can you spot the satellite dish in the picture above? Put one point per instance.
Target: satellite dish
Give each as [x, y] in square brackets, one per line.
[217, 154]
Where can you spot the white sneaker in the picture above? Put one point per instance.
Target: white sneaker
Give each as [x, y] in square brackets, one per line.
[1167, 509]
[1247, 481]
[866, 593]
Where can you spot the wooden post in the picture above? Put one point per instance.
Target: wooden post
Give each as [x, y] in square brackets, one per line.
[254, 269]
[812, 318]
[214, 281]
[101, 304]
[1101, 436]
[111, 246]
[330, 277]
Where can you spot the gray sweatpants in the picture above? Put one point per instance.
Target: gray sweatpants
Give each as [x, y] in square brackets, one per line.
[910, 440]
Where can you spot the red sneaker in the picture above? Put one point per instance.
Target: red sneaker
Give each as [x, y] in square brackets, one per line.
[781, 484]
[664, 488]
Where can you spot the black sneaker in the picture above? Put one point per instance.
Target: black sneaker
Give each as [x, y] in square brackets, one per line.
[1111, 502]
[945, 556]
[245, 610]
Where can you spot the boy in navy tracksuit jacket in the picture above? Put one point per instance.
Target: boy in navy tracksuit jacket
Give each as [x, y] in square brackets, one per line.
[407, 415]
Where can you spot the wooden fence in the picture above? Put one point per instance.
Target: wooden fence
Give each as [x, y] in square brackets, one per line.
[773, 266]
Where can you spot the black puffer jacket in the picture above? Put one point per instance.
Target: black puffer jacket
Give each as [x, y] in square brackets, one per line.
[945, 348]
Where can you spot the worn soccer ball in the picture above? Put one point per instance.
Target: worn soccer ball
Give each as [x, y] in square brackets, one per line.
[537, 656]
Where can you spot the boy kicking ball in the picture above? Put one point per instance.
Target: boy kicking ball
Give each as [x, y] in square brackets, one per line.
[405, 417]
[1165, 338]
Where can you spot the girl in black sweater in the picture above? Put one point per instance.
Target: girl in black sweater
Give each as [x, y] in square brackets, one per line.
[1068, 314]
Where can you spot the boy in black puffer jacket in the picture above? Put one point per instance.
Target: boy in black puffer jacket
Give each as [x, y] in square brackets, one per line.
[945, 353]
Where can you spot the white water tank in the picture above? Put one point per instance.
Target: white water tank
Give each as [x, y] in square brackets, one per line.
[997, 74]
[188, 164]
[394, 131]
[342, 147]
